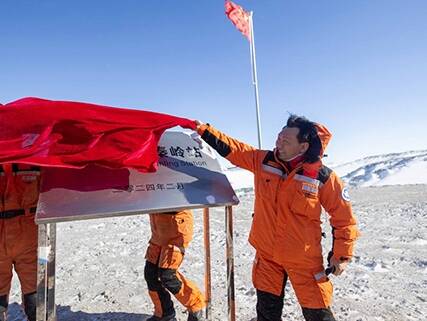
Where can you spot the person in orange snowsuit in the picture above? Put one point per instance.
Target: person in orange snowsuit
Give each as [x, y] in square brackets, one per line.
[291, 187]
[171, 234]
[19, 191]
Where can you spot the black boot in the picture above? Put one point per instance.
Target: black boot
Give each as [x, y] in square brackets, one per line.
[318, 314]
[30, 305]
[167, 317]
[3, 312]
[196, 316]
[3, 307]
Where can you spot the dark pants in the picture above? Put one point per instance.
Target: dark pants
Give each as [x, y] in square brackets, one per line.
[162, 281]
[30, 305]
[29, 301]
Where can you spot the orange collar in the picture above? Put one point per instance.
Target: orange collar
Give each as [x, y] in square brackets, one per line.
[312, 169]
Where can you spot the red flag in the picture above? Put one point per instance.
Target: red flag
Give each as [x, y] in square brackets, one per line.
[239, 17]
[71, 134]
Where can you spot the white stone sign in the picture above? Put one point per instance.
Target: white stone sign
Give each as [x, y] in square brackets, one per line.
[189, 176]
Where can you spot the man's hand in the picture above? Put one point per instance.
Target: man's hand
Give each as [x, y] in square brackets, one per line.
[198, 123]
[339, 265]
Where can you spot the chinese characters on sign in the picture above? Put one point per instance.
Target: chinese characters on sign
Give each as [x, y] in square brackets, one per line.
[177, 151]
[177, 156]
[171, 157]
[149, 187]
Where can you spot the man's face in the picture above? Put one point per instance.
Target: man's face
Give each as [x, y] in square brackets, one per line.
[287, 144]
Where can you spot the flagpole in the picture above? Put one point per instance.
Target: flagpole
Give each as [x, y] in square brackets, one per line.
[255, 78]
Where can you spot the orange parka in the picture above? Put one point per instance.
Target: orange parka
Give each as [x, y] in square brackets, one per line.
[286, 225]
[174, 228]
[19, 193]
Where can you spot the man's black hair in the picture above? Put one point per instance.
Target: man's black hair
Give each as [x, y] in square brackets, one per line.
[307, 134]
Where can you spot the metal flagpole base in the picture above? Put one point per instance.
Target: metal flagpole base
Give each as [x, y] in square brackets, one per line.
[46, 309]
[208, 282]
[230, 263]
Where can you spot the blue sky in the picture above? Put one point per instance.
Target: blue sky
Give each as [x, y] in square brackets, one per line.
[359, 67]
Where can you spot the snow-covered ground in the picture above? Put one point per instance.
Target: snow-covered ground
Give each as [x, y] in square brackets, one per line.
[100, 264]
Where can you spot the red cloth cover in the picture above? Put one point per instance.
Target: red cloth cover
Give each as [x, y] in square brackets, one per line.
[73, 135]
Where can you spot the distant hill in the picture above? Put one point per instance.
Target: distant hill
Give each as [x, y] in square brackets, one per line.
[387, 169]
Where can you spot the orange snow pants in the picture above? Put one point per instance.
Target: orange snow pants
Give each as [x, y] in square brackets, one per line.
[162, 276]
[312, 288]
[18, 249]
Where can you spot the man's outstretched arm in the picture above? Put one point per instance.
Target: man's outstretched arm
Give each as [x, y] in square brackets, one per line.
[238, 153]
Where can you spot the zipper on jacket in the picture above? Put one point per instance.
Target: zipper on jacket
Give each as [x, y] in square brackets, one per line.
[281, 180]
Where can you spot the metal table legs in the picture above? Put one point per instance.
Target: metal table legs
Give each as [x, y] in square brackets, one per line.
[46, 309]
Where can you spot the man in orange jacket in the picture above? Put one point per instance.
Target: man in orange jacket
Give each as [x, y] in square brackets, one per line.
[171, 234]
[291, 187]
[19, 191]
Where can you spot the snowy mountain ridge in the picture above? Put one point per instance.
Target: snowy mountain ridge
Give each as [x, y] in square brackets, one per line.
[387, 169]
[378, 170]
